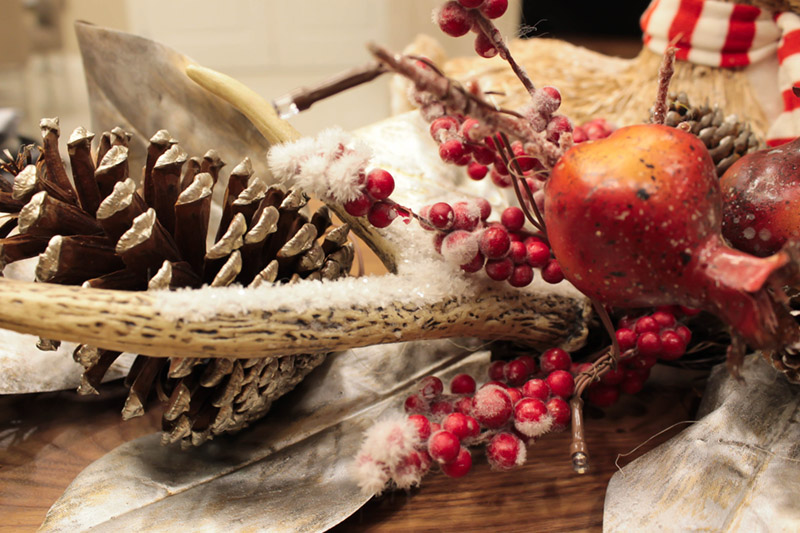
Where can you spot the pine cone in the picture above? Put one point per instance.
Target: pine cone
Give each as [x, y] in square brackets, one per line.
[103, 233]
[726, 138]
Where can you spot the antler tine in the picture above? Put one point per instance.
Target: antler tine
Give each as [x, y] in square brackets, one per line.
[143, 322]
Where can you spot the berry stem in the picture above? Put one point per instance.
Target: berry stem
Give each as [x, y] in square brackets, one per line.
[606, 320]
[493, 34]
[665, 72]
[302, 98]
[517, 174]
[457, 100]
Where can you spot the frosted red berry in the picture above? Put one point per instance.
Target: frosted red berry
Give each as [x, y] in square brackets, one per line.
[359, 206]
[484, 46]
[381, 214]
[415, 403]
[430, 387]
[517, 251]
[456, 423]
[500, 179]
[454, 20]
[555, 359]
[467, 215]
[441, 408]
[443, 446]
[380, 184]
[460, 467]
[463, 405]
[462, 384]
[514, 393]
[452, 151]
[505, 451]
[499, 269]
[441, 216]
[561, 383]
[476, 171]
[536, 388]
[491, 406]
[558, 125]
[443, 126]
[422, 425]
[475, 264]
[494, 242]
[531, 417]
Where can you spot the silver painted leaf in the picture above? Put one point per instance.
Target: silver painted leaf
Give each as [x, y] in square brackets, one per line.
[140, 85]
[736, 469]
[290, 472]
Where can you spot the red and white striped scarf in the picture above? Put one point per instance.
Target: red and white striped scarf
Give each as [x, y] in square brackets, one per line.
[722, 34]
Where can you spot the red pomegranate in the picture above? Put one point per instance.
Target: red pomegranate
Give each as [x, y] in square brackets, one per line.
[634, 220]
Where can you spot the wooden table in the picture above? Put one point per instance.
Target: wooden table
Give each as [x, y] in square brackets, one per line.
[47, 439]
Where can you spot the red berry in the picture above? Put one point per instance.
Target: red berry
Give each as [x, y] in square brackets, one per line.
[484, 207]
[513, 218]
[579, 135]
[415, 403]
[561, 383]
[358, 207]
[484, 46]
[443, 126]
[649, 344]
[423, 426]
[579, 368]
[514, 393]
[460, 466]
[558, 124]
[516, 373]
[552, 273]
[603, 395]
[497, 370]
[454, 20]
[475, 265]
[491, 406]
[483, 155]
[380, 184]
[443, 446]
[456, 423]
[494, 8]
[499, 269]
[463, 405]
[441, 408]
[494, 242]
[613, 376]
[381, 214]
[467, 215]
[559, 410]
[462, 384]
[476, 171]
[688, 311]
[522, 276]
[647, 324]
[642, 362]
[626, 338]
[633, 382]
[459, 247]
[452, 151]
[430, 387]
[470, 3]
[672, 346]
[536, 388]
[665, 319]
[505, 451]
[555, 359]
[538, 253]
[531, 417]
[499, 179]
[441, 216]
[530, 363]
[517, 251]
[684, 333]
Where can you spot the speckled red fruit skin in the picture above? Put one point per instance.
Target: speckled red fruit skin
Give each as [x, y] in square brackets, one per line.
[761, 194]
[634, 220]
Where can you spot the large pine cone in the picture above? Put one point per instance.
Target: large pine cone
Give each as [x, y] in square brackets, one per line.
[99, 231]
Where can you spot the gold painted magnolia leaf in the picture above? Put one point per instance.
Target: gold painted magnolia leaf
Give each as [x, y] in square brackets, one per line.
[736, 469]
[141, 85]
[291, 472]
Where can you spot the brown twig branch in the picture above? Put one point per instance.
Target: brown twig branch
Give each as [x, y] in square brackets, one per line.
[665, 72]
[496, 38]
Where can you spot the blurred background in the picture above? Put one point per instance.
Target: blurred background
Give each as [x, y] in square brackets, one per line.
[271, 45]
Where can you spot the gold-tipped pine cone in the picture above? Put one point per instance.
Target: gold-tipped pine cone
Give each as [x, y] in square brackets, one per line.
[100, 229]
[726, 138]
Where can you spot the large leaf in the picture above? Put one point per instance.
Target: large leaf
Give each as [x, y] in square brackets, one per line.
[140, 85]
[736, 469]
[290, 473]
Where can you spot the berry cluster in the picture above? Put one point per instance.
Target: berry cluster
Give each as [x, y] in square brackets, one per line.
[503, 249]
[597, 128]
[374, 201]
[457, 18]
[642, 341]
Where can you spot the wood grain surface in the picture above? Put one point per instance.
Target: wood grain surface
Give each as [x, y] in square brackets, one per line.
[47, 439]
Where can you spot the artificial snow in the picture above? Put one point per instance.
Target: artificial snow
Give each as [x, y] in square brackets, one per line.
[385, 453]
